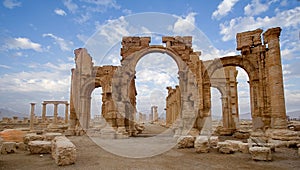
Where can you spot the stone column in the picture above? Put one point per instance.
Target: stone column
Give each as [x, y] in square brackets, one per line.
[66, 113]
[225, 113]
[44, 112]
[32, 116]
[55, 114]
[275, 81]
[155, 113]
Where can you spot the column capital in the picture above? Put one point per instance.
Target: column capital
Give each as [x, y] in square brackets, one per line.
[271, 33]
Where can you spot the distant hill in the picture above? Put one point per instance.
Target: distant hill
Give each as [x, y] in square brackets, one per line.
[7, 112]
[294, 114]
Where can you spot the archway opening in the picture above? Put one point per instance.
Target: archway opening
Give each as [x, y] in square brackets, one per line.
[245, 116]
[97, 119]
[216, 107]
[154, 72]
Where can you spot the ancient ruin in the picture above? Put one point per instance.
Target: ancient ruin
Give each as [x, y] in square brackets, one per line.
[188, 104]
[190, 101]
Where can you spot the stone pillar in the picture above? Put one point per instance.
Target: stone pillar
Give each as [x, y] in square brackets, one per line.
[32, 116]
[155, 113]
[66, 113]
[275, 81]
[55, 114]
[225, 113]
[44, 112]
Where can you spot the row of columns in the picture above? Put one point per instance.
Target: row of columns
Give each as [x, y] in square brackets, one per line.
[173, 105]
[44, 110]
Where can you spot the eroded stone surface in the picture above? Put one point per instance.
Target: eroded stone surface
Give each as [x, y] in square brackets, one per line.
[8, 147]
[51, 136]
[225, 147]
[39, 147]
[261, 153]
[63, 151]
[201, 144]
[213, 141]
[185, 142]
[32, 137]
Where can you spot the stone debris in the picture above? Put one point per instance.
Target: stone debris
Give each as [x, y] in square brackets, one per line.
[51, 136]
[283, 134]
[234, 144]
[22, 146]
[201, 144]
[213, 141]
[63, 151]
[185, 142]
[244, 147]
[8, 147]
[39, 147]
[261, 153]
[225, 147]
[32, 137]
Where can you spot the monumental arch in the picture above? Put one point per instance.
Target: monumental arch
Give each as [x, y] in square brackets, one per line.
[259, 58]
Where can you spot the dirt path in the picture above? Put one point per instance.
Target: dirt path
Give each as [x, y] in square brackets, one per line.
[91, 156]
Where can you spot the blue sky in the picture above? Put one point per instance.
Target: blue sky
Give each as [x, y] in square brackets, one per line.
[37, 39]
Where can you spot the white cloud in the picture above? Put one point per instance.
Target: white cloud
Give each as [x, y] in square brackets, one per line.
[60, 12]
[72, 7]
[83, 18]
[22, 43]
[223, 8]
[44, 81]
[284, 19]
[105, 3]
[4, 66]
[63, 44]
[185, 25]
[10, 4]
[256, 7]
[114, 30]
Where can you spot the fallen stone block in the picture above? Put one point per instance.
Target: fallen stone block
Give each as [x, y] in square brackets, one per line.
[50, 136]
[225, 147]
[185, 142]
[201, 144]
[213, 141]
[38, 147]
[283, 134]
[240, 134]
[234, 144]
[32, 137]
[244, 147]
[278, 143]
[261, 153]
[22, 146]
[63, 151]
[8, 147]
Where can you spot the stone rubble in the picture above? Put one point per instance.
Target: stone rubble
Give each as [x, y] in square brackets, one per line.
[185, 142]
[39, 147]
[63, 151]
[201, 144]
[261, 153]
[8, 147]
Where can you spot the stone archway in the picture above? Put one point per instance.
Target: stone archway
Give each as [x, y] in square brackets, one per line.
[133, 49]
[260, 59]
[262, 62]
